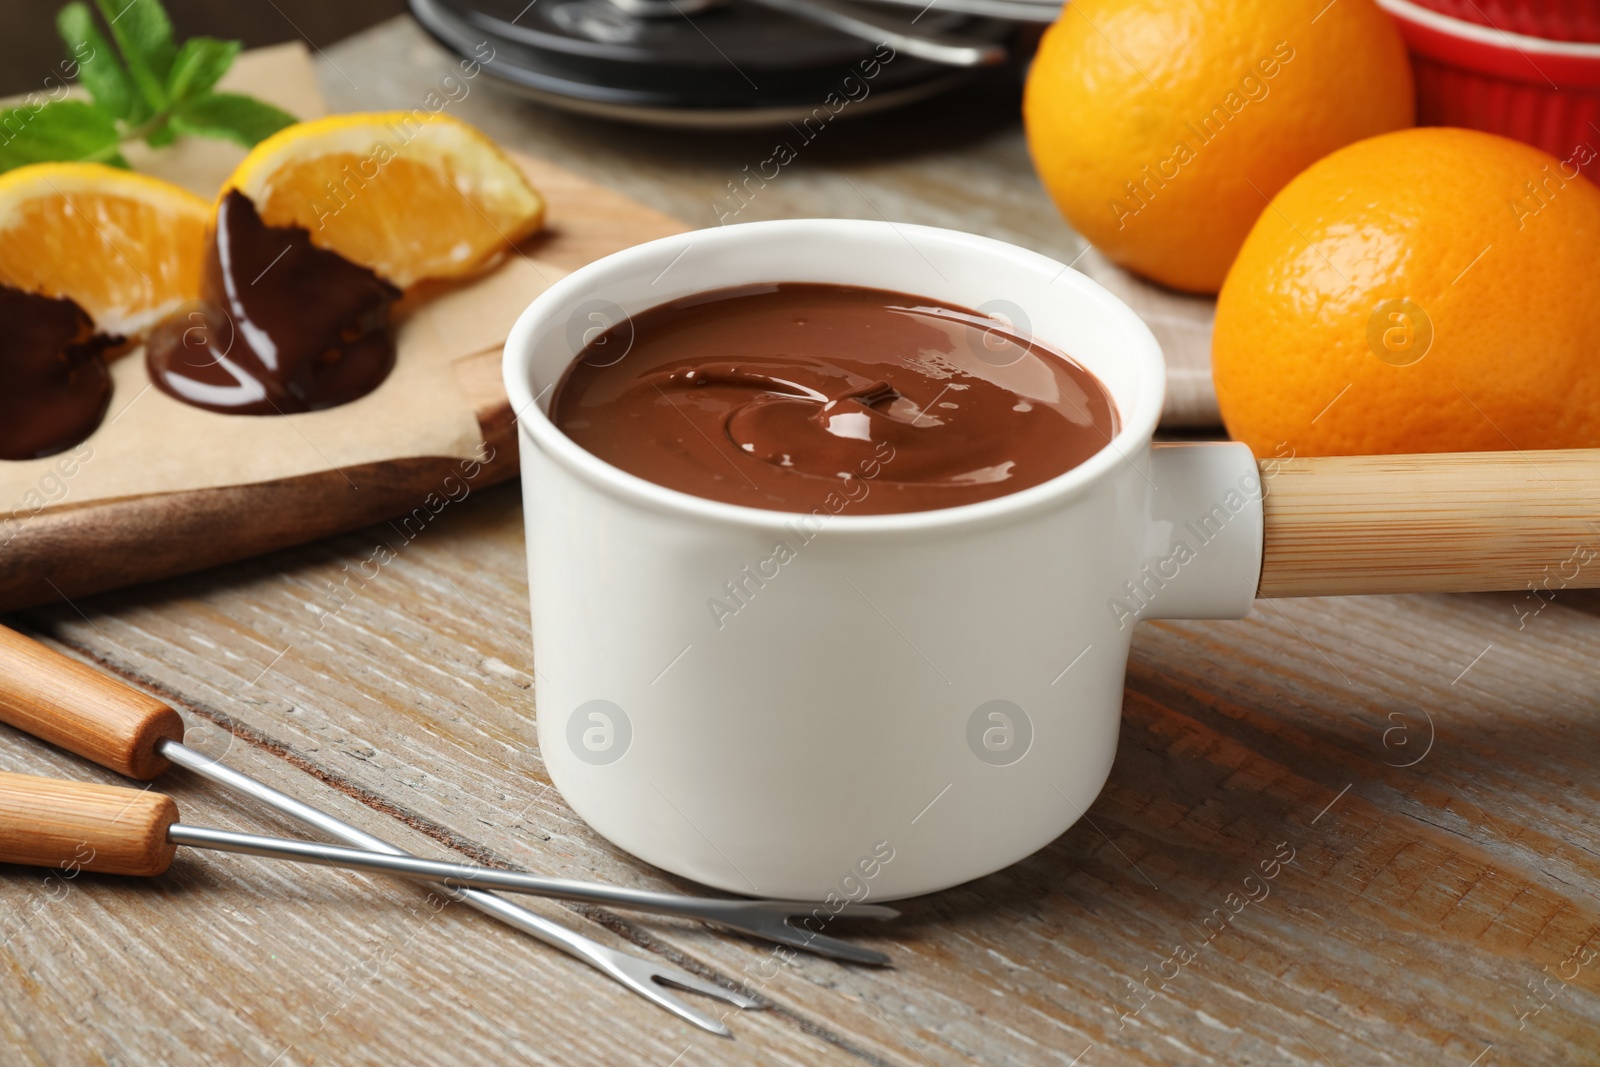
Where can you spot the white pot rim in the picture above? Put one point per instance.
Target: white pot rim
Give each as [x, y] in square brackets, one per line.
[1137, 420]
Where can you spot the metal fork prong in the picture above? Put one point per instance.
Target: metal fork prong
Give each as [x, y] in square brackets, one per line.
[824, 945]
[662, 998]
[692, 984]
[794, 910]
[851, 911]
[784, 921]
[784, 932]
[650, 980]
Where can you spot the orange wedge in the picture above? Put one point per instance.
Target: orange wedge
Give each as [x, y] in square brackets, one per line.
[409, 194]
[126, 247]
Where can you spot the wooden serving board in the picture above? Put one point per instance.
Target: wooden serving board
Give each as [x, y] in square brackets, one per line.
[75, 550]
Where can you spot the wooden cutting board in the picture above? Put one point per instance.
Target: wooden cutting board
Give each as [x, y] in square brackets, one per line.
[71, 551]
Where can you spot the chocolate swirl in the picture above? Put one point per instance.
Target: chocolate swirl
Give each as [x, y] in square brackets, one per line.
[797, 396]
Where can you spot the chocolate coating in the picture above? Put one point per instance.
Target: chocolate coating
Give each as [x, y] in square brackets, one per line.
[54, 384]
[282, 325]
[799, 396]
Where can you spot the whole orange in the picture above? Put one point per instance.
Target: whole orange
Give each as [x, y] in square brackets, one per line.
[1428, 290]
[1162, 127]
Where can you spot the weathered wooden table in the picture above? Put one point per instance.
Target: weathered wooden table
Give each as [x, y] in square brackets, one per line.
[1427, 761]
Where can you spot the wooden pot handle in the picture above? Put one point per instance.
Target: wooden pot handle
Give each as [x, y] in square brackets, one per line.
[67, 703]
[1450, 522]
[46, 822]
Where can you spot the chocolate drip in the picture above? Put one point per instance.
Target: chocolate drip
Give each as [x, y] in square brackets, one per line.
[798, 396]
[54, 384]
[282, 326]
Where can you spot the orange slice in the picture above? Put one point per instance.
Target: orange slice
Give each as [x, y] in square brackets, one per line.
[411, 195]
[126, 247]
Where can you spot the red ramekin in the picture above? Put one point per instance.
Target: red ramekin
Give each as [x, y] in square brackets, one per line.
[1539, 90]
[1555, 20]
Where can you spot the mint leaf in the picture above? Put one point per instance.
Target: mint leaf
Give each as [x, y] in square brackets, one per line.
[99, 70]
[61, 129]
[155, 91]
[144, 35]
[229, 116]
[198, 65]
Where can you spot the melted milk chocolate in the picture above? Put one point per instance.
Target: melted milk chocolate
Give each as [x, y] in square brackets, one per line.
[54, 385]
[282, 325]
[796, 397]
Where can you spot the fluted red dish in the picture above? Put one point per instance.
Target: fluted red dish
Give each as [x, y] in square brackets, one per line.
[1540, 90]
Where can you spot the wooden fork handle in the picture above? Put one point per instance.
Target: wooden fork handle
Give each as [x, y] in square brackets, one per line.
[46, 822]
[1450, 522]
[67, 703]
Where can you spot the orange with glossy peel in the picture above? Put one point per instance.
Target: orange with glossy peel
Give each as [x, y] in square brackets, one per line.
[1162, 127]
[411, 195]
[126, 247]
[1428, 290]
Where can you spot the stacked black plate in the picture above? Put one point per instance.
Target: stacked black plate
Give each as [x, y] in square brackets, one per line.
[735, 65]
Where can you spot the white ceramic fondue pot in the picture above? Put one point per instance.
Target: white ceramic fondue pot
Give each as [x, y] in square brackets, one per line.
[791, 705]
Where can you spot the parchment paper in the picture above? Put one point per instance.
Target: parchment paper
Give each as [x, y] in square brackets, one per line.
[150, 443]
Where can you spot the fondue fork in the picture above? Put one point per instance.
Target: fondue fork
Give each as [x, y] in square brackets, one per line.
[71, 705]
[136, 832]
[47, 822]
[770, 920]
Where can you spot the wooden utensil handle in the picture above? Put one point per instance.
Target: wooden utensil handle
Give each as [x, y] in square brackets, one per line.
[62, 701]
[1451, 522]
[46, 822]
